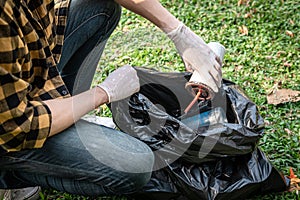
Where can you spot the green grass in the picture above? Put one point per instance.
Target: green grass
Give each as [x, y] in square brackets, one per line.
[257, 61]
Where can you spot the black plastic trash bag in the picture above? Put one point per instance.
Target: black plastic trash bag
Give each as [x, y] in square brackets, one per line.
[208, 153]
[233, 178]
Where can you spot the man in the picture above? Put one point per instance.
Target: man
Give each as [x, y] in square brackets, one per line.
[48, 56]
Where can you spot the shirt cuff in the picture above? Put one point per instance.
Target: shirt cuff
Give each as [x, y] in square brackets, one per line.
[40, 126]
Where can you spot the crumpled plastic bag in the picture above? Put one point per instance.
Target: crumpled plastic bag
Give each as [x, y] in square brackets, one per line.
[208, 153]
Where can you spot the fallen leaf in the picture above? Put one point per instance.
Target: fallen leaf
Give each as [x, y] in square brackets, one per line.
[292, 174]
[240, 2]
[243, 30]
[238, 68]
[267, 123]
[278, 96]
[288, 131]
[292, 22]
[289, 33]
[286, 64]
[294, 181]
[280, 52]
[125, 28]
[248, 15]
[243, 2]
[269, 57]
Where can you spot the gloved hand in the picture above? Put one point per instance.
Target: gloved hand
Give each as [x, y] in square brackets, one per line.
[121, 83]
[197, 55]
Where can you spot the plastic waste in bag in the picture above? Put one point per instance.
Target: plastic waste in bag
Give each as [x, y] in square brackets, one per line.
[210, 152]
[213, 116]
[155, 114]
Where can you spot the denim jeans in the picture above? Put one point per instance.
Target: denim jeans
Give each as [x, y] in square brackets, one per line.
[85, 159]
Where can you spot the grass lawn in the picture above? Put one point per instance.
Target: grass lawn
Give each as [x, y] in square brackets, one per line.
[262, 39]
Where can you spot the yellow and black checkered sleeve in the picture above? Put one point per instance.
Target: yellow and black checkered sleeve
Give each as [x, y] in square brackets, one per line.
[24, 123]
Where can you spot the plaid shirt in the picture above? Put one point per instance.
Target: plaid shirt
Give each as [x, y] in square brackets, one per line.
[31, 38]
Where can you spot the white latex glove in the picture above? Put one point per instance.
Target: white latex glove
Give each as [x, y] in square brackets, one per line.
[197, 55]
[121, 83]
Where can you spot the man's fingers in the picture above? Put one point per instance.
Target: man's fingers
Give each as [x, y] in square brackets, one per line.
[215, 82]
[216, 74]
[188, 66]
[218, 60]
[218, 69]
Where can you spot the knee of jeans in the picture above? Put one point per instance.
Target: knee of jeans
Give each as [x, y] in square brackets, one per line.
[141, 162]
[138, 180]
[100, 17]
[140, 170]
[113, 11]
[135, 164]
[135, 174]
